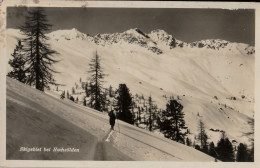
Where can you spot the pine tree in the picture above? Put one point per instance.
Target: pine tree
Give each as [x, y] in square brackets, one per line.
[173, 121]
[225, 150]
[96, 83]
[251, 154]
[83, 85]
[242, 153]
[68, 94]
[139, 114]
[188, 142]
[212, 151]
[105, 100]
[18, 64]
[203, 137]
[86, 89]
[123, 104]
[110, 91]
[39, 55]
[84, 102]
[250, 135]
[150, 113]
[72, 90]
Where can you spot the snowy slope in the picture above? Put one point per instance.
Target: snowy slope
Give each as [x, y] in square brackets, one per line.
[35, 119]
[157, 64]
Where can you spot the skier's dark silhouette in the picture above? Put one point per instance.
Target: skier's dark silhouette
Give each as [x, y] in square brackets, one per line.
[112, 118]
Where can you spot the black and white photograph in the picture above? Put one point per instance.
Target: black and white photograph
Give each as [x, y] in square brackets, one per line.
[130, 84]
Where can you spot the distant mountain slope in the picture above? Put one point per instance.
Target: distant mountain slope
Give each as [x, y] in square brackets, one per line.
[195, 72]
[35, 119]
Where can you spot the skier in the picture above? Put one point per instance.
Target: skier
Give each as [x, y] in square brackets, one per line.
[112, 118]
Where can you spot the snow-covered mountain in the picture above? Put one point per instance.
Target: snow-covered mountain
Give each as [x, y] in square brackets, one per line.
[151, 41]
[213, 78]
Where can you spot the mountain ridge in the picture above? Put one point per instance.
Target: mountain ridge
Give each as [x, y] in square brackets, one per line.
[150, 40]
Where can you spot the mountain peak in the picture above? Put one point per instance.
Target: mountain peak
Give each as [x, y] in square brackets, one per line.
[159, 35]
[159, 31]
[136, 32]
[67, 34]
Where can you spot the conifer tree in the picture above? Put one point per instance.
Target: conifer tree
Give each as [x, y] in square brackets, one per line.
[203, 137]
[18, 64]
[225, 150]
[250, 135]
[242, 153]
[188, 142]
[86, 89]
[251, 154]
[96, 79]
[68, 94]
[72, 90]
[123, 104]
[105, 101]
[173, 121]
[39, 55]
[150, 113]
[110, 91]
[212, 151]
[84, 102]
[139, 114]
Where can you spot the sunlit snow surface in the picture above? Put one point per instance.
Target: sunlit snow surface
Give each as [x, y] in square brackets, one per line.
[37, 119]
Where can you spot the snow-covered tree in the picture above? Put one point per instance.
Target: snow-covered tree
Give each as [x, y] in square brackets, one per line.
[39, 55]
[18, 64]
[96, 80]
[173, 123]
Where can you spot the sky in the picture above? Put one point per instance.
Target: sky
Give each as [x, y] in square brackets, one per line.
[188, 25]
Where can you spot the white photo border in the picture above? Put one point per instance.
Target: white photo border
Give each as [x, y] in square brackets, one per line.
[125, 4]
